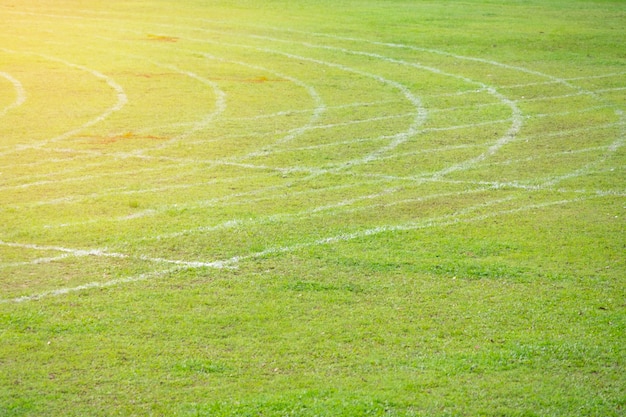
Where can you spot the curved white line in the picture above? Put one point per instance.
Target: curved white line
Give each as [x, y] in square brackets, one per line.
[20, 93]
[516, 114]
[511, 133]
[441, 221]
[318, 111]
[121, 101]
[435, 222]
[220, 106]
[395, 140]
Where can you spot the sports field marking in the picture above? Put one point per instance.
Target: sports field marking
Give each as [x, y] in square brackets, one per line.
[553, 79]
[35, 261]
[295, 111]
[121, 101]
[279, 217]
[94, 285]
[492, 148]
[20, 93]
[24, 184]
[442, 221]
[541, 187]
[318, 109]
[401, 138]
[193, 127]
[83, 178]
[612, 148]
[449, 54]
[79, 253]
[394, 45]
[125, 191]
[199, 125]
[387, 152]
[568, 79]
[570, 112]
[516, 117]
[549, 181]
[420, 114]
[220, 105]
[609, 90]
[340, 207]
[236, 198]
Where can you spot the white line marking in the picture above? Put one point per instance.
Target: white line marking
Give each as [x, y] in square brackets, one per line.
[35, 261]
[314, 211]
[442, 221]
[220, 105]
[105, 254]
[420, 114]
[20, 93]
[122, 99]
[318, 111]
[92, 285]
[617, 143]
[516, 120]
[446, 220]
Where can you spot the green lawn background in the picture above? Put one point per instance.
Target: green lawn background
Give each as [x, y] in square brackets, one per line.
[428, 280]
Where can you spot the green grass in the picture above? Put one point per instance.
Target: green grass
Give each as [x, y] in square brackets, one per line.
[372, 208]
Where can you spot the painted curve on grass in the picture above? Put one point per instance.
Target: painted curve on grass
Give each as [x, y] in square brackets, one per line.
[385, 152]
[121, 100]
[20, 93]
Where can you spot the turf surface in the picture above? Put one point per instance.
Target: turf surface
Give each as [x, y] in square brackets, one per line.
[401, 208]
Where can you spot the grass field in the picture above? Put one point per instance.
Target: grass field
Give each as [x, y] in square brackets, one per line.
[312, 208]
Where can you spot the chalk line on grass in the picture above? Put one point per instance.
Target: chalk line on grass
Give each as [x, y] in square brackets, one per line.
[397, 155]
[340, 207]
[20, 93]
[36, 261]
[420, 114]
[568, 79]
[516, 116]
[197, 126]
[612, 148]
[318, 110]
[319, 105]
[181, 162]
[392, 145]
[121, 100]
[250, 197]
[132, 192]
[93, 285]
[484, 186]
[346, 205]
[220, 105]
[441, 221]
[516, 112]
[102, 253]
[493, 147]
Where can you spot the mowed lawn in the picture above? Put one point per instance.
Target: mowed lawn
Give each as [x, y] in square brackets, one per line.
[312, 208]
